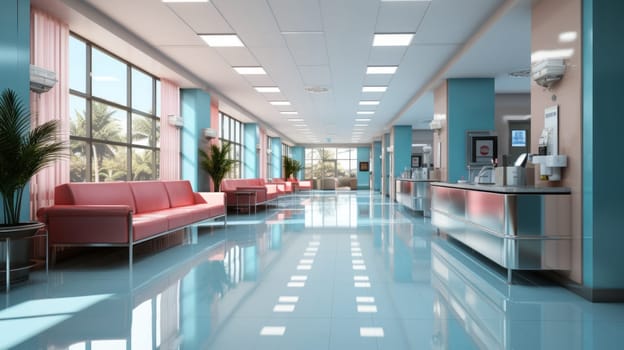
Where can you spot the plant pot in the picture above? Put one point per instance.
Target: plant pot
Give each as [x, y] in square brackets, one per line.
[20, 250]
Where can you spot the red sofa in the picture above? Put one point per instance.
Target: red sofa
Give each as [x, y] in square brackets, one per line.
[125, 213]
[264, 192]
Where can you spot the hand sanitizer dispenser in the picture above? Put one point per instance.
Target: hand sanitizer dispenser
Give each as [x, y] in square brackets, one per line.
[550, 166]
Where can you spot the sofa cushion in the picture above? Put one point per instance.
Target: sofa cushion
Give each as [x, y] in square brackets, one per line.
[146, 225]
[149, 196]
[180, 193]
[98, 193]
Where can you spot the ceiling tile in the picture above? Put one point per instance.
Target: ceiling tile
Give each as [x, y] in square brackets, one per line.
[386, 56]
[400, 17]
[237, 56]
[308, 49]
[315, 75]
[453, 22]
[203, 18]
[297, 16]
[253, 21]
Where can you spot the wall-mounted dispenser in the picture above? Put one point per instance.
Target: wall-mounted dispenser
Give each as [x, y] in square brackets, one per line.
[549, 159]
[550, 166]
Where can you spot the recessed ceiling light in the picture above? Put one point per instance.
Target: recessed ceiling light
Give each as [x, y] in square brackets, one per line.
[381, 69]
[301, 125]
[374, 88]
[222, 40]
[392, 39]
[360, 125]
[250, 70]
[405, 0]
[280, 103]
[365, 112]
[369, 103]
[288, 113]
[185, 0]
[295, 119]
[362, 119]
[267, 89]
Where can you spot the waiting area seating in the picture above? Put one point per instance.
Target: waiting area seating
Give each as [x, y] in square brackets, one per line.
[264, 192]
[124, 214]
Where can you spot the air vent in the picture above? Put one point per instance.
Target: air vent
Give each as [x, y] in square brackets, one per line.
[524, 73]
[316, 89]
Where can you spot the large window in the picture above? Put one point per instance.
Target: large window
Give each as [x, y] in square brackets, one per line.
[330, 162]
[114, 117]
[231, 130]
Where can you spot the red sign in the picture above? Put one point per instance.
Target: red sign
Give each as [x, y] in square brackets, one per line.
[484, 150]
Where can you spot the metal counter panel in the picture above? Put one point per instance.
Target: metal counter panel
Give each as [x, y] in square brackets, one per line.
[524, 231]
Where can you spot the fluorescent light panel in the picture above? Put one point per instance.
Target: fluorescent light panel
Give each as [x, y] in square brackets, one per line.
[374, 88]
[222, 40]
[250, 70]
[184, 0]
[402, 39]
[369, 103]
[362, 119]
[361, 125]
[267, 89]
[381, 69]
[289, 113]
[280, 103]
[295, 119]
[365, 112]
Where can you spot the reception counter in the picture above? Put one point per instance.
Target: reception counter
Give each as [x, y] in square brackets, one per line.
[519, 228]
[414, 194]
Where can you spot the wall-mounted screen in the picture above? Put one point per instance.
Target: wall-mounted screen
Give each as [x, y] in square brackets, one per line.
[518, 138]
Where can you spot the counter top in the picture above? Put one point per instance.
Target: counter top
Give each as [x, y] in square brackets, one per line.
[505, 189]
[417, 180]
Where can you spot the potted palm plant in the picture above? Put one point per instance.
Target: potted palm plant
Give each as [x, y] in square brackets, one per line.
[217, 163]
[291, 167]
[23, 152]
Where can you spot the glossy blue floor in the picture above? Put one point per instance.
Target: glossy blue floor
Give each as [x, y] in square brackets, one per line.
[319, 270]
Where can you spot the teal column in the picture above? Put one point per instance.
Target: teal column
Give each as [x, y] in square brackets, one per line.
[603, 74]
[363, 177]
[402, 148]
[276, 157]
[251, 156]
[298, 154]
[470, 107]
[195, 106]
[376, 166]
[15, 64]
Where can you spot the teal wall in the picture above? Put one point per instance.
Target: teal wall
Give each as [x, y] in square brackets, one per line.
[276, 158]
[402, 148]
[251, 156]
[15, 64]
[195, 106]
[470, 105]
[298, 154]
[363, 177]
[376, 166]
[603, 73]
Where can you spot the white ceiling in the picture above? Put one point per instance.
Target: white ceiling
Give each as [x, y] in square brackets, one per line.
[314, 43]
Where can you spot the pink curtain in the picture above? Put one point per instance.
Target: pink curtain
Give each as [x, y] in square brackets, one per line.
[49, 49]
[169, 134]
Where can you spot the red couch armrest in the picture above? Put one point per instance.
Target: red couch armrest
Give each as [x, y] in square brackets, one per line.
[217, 198]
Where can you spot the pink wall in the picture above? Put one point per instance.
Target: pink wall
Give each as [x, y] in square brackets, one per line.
[441, 136]
[549, 19]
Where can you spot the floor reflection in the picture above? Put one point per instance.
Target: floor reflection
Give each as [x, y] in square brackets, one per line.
[324, 270]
